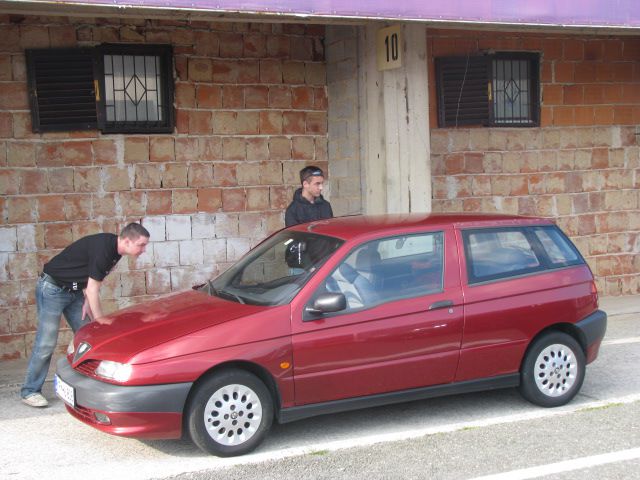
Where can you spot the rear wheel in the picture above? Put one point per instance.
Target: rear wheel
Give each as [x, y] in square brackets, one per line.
[553, 370]
[230, 413]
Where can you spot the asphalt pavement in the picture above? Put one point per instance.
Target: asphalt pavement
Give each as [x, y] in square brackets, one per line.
[489, 435]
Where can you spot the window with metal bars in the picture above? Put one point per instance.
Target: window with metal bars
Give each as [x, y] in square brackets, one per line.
[114, 88]
[499, 89]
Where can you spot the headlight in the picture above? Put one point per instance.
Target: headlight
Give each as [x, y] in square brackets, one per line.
[120, 372]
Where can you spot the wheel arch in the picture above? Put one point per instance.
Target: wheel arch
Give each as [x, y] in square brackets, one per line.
[568, 328]
[263, 375]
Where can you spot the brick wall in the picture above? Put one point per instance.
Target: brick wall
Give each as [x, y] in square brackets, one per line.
[581, 167]
[251, 104]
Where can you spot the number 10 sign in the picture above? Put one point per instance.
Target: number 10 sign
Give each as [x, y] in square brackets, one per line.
[389, 47]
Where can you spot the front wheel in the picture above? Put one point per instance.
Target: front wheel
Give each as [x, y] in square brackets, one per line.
[230, 413]
[553, 370]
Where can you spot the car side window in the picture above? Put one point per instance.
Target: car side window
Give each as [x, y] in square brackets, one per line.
[389, 269]
[495, 253]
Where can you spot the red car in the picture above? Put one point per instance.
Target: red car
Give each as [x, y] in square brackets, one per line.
[341, 314]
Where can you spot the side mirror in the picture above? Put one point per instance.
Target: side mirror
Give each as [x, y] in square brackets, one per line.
[327, 303]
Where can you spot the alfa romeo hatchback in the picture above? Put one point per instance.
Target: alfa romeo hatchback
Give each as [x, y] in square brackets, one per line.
[341, 314]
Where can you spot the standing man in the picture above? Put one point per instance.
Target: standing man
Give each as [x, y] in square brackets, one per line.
[70, 285]
[308, 203]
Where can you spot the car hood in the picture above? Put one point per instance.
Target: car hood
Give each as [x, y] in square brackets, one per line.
[121, 335]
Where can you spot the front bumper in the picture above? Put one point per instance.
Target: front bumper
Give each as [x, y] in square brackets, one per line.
[149, 411]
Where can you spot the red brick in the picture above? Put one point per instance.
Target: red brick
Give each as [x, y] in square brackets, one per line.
[60, 180]
[104, 204]
[279, 197]
[612, 93]
[6, 125]
[12, 181]
[200, 70]
[62, 36]
[584, 72]
[182, 67]
[622, 72]
[270, 122]
[593, 94]
[320, 99]
[293, 122]
[57, 235]
[256, 97]
[278, 46]
[594, 50]
[255, 45]
[234, 200]
[184, 201]
[584, 115]
[209, 199]
[600, 158]
[209, 96]
[572, 95]
[224, 123]
[187, 149]
[257, 198]
[573, 50]
[162, 149]
[21, 209]
[210, 148]
[279, 97]
[231, 45]
[34, 37]
[206, 44]
[270, 71]
[200, 122]
[563, 116]
[200, 175]
[603, 115]
[302, 98]
[225, 175]
[132, 203]
[232, 96]
[185, 95]
[13, 96]
[12, 347]
[293, 72]
[136, 149]
[182, 121]
[316, 122]
[302, 49]
[33, 181]
[158, 202]
[225, 71]
[613, 49]
[622, 115]
[563, 72]
[105, 152]
[77, 207]
[21, 154]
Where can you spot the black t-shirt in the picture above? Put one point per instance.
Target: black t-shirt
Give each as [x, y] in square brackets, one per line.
[91, 256]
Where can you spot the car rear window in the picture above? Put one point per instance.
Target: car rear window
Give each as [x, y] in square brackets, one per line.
[496, 253]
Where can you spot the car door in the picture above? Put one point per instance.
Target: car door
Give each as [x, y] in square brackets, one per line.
[402, 326]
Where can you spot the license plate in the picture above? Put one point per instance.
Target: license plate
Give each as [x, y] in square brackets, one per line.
[64, 391]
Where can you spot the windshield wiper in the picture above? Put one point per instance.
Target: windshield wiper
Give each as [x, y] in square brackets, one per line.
[228, 294]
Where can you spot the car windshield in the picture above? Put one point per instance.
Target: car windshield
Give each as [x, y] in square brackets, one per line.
[275, 271]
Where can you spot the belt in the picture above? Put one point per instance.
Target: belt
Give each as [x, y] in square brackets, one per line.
[49, 279]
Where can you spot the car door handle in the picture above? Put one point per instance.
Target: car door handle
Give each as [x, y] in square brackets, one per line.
[441, 304]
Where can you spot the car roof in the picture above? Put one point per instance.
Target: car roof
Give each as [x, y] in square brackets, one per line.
[353, 226]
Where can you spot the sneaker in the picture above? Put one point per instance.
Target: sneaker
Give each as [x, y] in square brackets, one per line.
[35, 400]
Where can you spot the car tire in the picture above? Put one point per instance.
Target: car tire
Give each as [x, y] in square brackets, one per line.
[229, 413]
[553, 370]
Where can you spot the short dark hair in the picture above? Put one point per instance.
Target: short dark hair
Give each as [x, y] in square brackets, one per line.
[310, 171]
[133, 231]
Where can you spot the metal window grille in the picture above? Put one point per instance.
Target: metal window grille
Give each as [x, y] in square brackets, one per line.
[511, 91]
[133, 89]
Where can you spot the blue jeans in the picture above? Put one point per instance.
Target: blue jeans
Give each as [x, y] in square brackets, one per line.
[52, 302]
